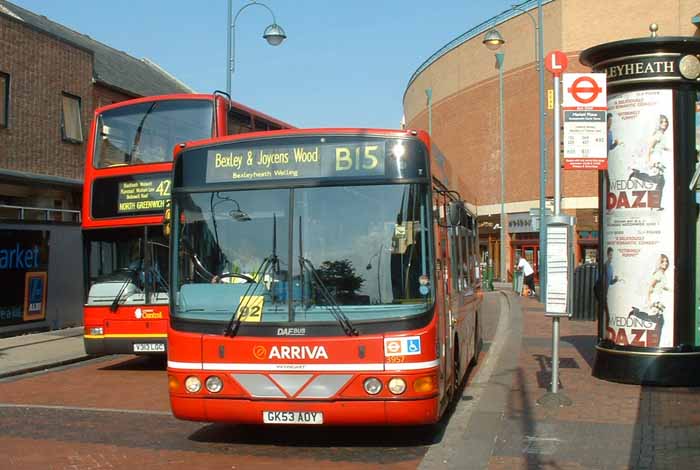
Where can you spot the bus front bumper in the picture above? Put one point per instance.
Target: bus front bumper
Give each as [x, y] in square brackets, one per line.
[106, 344]
[332, 413]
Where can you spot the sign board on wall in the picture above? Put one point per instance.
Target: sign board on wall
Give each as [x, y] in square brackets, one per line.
[520, 222]
[24, 264]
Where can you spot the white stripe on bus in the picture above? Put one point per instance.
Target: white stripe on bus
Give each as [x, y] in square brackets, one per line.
[305, 367]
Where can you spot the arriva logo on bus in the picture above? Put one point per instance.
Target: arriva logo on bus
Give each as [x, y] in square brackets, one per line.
[292, 352]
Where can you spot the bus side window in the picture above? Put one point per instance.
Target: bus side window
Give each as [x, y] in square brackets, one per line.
[464, 259]
[455, 268]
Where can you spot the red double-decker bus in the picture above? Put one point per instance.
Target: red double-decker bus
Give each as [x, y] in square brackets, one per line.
[127, 181]
[319, 277]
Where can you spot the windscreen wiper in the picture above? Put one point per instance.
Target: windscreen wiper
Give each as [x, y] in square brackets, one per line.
[333, 306]
[125, 284]
[236, 320]
[139, 130]
[271, 261]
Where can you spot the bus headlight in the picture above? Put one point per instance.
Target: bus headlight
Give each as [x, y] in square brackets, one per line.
[214, 384]
[397, 386]
[373, 386]
[97, 331]
[193, 384]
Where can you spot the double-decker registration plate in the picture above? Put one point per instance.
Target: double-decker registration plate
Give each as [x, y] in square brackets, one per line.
[149, 347]
[292, 417]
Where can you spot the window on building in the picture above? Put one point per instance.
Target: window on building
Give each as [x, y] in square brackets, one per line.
[71, 127]
[4, 99]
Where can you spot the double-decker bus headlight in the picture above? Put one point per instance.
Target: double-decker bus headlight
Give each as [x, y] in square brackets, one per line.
[193, 384]
[373, 386]
[214, 384]
[397, 386]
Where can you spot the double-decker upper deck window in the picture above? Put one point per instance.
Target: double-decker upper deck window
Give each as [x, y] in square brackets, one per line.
[147, 132]
[4, 99]
[71, 126]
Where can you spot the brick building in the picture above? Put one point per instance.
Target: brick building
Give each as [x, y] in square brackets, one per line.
[51, 80]
[463, 77]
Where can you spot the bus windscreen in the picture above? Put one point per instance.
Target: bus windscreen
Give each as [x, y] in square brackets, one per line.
[298, 255]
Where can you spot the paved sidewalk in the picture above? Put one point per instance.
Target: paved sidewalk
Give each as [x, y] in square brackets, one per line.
[37, 351]
[608, 426]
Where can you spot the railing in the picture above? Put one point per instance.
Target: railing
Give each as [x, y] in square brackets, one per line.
[43, 214]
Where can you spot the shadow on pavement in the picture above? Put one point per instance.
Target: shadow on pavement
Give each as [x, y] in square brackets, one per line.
[336, 436]
[585, 345]
[140, 363]
[326, 436]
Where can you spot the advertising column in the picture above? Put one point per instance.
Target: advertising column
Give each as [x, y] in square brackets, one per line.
[646, 282]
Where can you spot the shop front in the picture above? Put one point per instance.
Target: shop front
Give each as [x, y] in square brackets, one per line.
[524, 241]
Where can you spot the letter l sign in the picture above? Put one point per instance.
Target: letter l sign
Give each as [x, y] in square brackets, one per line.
[556, 62]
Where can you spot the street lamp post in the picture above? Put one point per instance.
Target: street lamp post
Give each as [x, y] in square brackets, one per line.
[493, 40]
[273, 34]
[499, 60]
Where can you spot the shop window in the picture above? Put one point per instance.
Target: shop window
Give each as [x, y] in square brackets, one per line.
[71, 125]
[4, 99]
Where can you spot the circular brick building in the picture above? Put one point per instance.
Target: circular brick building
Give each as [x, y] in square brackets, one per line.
[455, 93]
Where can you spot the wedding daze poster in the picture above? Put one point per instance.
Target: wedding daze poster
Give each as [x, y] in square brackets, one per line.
[639, 221]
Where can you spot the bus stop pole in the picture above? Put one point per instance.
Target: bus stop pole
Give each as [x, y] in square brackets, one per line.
[554, 398]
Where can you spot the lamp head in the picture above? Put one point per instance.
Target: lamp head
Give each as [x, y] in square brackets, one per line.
[240, 215]
[274, 34]
[493, 39]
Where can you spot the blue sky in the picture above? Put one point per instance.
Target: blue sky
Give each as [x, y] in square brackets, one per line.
[344, 63]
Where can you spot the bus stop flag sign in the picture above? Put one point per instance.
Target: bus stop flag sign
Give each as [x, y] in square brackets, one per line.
[584, 105]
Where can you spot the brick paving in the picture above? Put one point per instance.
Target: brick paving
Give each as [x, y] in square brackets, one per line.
[608, 426]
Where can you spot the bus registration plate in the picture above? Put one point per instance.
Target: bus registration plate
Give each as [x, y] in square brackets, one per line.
[292, 417]
[149, 347]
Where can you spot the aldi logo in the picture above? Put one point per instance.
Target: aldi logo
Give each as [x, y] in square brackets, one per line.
[35, 296]
[406, 346]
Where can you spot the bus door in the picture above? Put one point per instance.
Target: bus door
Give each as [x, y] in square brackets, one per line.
[442, 304]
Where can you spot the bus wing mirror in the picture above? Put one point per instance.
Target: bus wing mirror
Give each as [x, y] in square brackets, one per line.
[454, 212]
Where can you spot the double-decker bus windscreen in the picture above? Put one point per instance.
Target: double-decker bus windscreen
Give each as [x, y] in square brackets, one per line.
[147, 132]
[300, 255]
[126, 266]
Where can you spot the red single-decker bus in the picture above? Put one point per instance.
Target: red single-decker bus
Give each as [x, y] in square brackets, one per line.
[324, 276]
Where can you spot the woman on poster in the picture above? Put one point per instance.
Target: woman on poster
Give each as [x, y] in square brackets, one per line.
[659, 283]
[657, 287]
[658, 146]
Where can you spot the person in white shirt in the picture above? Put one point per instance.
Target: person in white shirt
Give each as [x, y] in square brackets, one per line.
[529, 274]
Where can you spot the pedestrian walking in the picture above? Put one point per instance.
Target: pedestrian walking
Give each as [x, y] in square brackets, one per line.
[529, 274]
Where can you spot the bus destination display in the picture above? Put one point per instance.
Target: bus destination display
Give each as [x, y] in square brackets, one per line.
[143, 194]
[323, 160]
